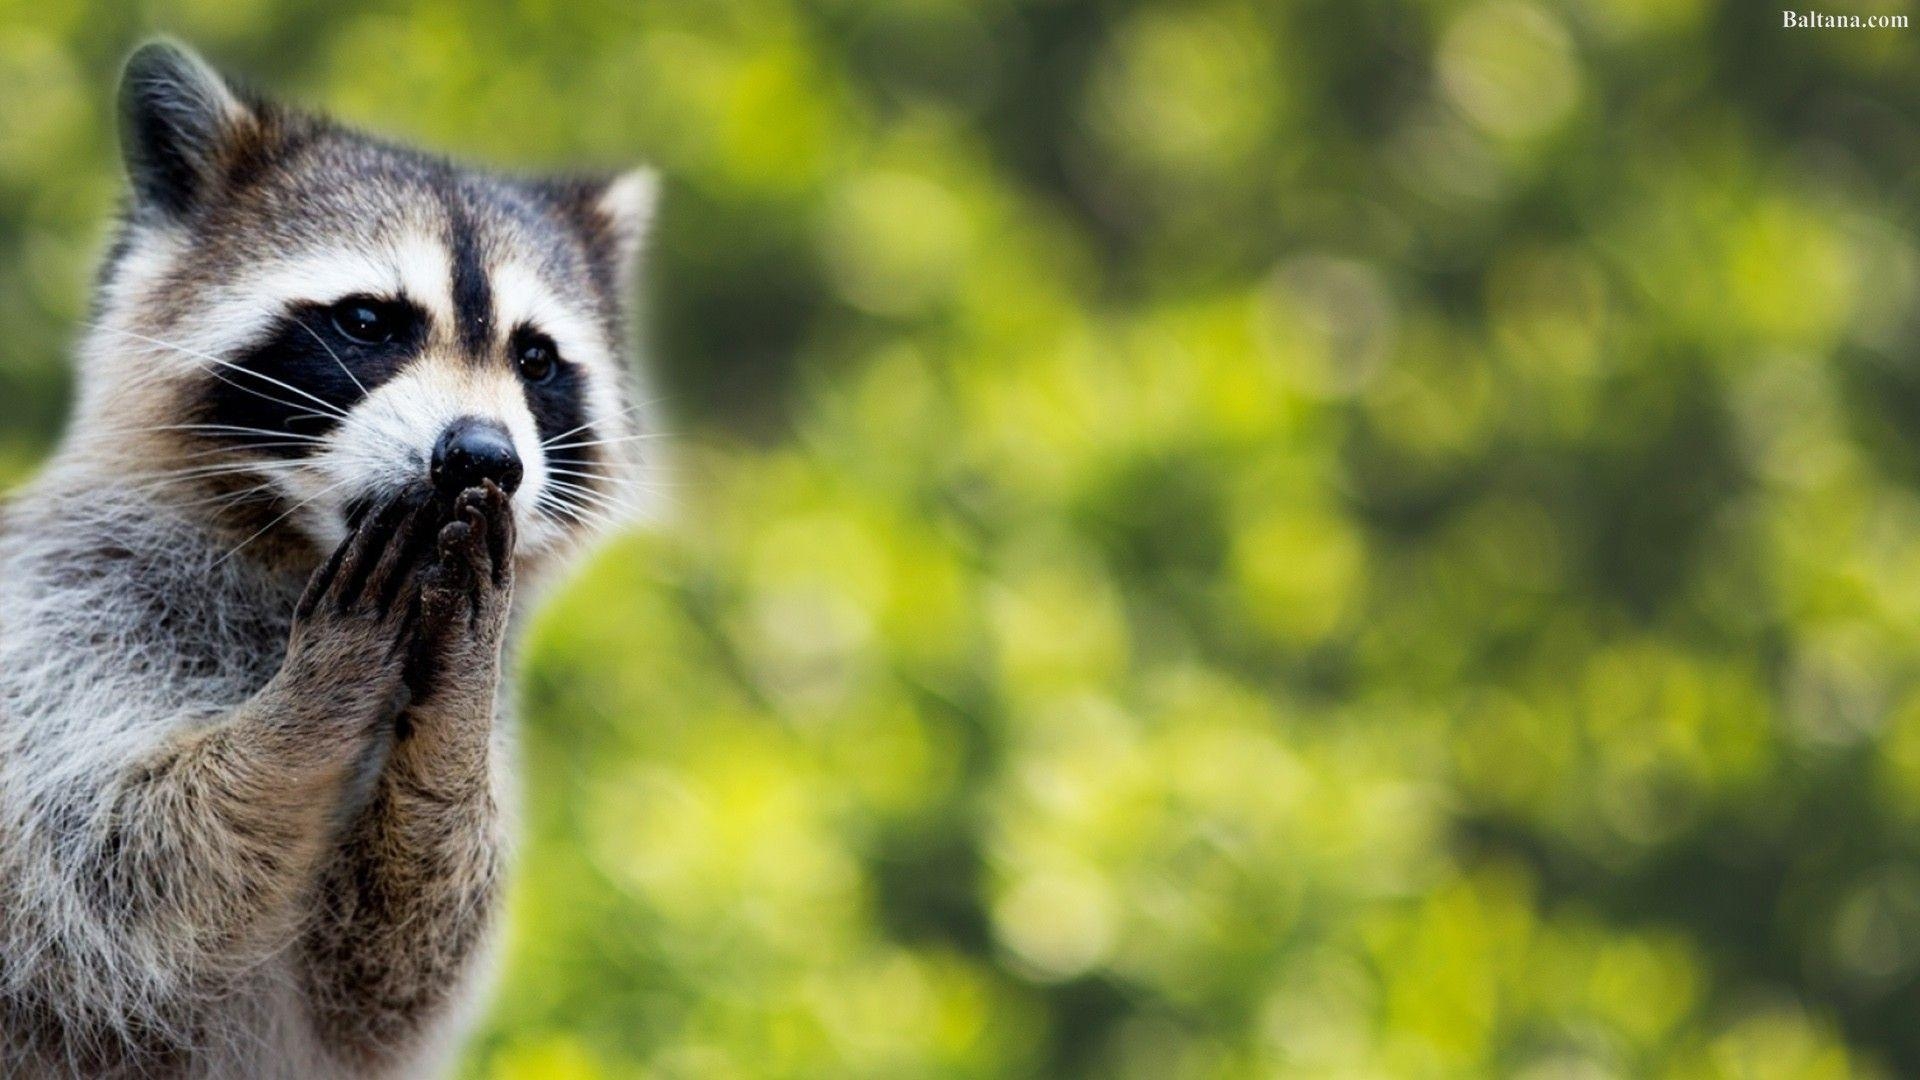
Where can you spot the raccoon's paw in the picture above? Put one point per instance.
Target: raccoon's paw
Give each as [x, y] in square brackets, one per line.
[466, 592]
[350, 629]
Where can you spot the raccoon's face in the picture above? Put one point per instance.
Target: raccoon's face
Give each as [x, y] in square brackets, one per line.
[301, 321]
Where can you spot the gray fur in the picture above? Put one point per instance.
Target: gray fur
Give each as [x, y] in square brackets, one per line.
[254, 814]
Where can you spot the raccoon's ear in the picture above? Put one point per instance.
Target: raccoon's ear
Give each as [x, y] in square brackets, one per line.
[627, 203]
[614, 215]
[180, 122]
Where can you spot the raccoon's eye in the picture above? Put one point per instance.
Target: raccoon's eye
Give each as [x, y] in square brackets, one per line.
[535, 357]
[369, 321]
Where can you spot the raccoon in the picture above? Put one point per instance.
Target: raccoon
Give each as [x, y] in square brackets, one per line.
[340, 406]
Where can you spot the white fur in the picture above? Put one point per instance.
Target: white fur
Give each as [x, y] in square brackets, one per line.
[630, 202]
[412, 265]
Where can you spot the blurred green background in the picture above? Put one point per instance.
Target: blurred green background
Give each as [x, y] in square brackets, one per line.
[1212, 539]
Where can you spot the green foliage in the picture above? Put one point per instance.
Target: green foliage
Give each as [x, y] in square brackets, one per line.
[1213, 539]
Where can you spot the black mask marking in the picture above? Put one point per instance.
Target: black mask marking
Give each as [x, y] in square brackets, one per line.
[472, 293]
[559, 409]
[559, 412]
[299, 380]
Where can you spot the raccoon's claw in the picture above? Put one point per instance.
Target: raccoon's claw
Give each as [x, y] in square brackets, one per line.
[457, 568]
[399, 559]
[464, 589]
[366, 571]
[399, 571]
[486, 510]
[349, 628]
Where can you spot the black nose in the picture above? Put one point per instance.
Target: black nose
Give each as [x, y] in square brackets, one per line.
[472, 450]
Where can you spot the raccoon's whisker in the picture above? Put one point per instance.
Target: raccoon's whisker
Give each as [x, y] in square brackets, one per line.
[623, 505]
[590, 500]
[627, 494]
[237, 497]
[564, 434]
[586, 475]
[205, 473]
[582, 489]
[600, 521]
[289, 512]
[585, 499]
[628, 411]
[554, 509]
[277, 439]
[331, 409]
[275, 400]
[559, 465]
[604, 442]
[219, 499]
[234, 429]
[226, 500]
[570, 513]
[336, 357]
[567, 519]
[272, 470]
[565, 510]
[240, 448]
[209, 357]
[261, 463]
[584, 503]
[221, 468]
[556, 462]
[146, 489]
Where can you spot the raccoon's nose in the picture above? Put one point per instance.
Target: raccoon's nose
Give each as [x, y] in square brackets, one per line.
[472, 450]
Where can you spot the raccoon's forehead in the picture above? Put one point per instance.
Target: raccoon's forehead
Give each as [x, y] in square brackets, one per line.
[480, 255]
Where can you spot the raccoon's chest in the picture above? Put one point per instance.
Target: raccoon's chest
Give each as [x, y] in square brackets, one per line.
[194, 636]
[223, 651]
[120, 624]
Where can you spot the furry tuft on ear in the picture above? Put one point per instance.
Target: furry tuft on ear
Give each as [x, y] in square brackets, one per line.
[614, 214]
[628, 202]
[179, 122]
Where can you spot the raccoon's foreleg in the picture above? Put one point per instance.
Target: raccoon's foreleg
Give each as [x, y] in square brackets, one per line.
[200, 854]
[405, 905]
